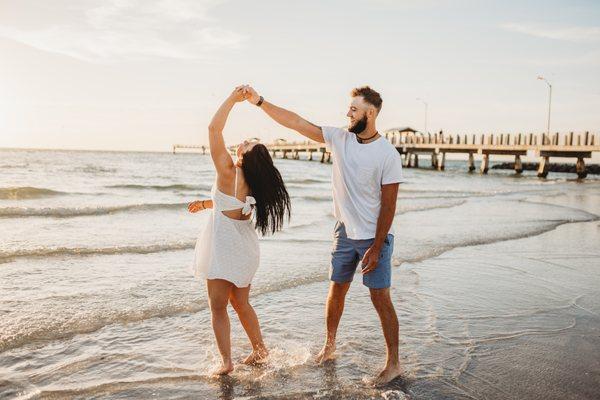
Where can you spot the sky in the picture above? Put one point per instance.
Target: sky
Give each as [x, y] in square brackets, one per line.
[146, 74]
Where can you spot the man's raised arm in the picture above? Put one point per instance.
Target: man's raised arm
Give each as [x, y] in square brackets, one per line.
[287, 118]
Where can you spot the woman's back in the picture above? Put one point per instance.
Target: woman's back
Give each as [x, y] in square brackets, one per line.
[230, 188]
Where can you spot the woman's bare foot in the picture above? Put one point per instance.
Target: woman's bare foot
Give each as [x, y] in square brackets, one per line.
[326, 354]
[388, 374]
[257, 356]
[225, 369]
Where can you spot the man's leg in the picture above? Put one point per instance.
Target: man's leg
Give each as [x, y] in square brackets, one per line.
[343, 265]
[333, 314]
[379, 281]
[389, 322]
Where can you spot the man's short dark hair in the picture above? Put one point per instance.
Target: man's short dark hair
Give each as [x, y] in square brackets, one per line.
[370, 96]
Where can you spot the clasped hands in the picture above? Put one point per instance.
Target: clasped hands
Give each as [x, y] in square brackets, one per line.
[244, 92]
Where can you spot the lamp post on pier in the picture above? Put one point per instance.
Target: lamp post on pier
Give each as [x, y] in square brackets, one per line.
[424, 102]
[549, 102]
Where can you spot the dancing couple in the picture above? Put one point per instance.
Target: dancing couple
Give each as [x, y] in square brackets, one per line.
[366, 172]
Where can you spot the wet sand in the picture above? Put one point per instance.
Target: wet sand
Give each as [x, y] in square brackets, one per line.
[496, 285]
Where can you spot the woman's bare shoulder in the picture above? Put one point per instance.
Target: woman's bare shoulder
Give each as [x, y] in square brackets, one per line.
[226, 180]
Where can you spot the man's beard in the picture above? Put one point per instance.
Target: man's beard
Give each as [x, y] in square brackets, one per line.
[359, 126]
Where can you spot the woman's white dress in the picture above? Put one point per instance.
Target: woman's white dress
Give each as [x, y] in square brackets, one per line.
[227, 248]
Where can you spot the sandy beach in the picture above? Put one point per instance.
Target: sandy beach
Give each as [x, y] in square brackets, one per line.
[495, 282]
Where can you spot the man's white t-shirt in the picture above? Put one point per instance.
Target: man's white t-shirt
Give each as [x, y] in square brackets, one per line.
[359, 170]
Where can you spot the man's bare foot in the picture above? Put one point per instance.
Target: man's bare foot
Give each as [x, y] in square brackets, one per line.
[225, 369]
[388, 374]
[326, 354]
[257, 356]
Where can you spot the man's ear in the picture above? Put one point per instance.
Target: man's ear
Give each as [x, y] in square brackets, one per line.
[371, 113]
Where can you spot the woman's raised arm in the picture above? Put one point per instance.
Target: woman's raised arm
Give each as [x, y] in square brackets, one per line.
[219, 153]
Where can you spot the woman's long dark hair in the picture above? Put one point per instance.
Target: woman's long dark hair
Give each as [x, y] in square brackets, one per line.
[266, 184]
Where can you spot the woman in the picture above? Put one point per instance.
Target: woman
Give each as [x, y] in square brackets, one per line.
[227, 253]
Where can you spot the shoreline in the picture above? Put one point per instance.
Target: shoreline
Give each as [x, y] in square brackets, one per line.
[448, 344]
[259, 291]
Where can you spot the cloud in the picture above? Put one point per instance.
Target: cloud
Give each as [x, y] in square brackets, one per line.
[573, 34]
[110, 30]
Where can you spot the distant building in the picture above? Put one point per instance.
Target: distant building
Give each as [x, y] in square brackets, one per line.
[396, 134]
[401, 130]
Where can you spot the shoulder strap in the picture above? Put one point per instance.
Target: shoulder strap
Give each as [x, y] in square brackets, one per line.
[235, 184]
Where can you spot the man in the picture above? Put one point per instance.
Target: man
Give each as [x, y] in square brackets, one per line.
[366, 172]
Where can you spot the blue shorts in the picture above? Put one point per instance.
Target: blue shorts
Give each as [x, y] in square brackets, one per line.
[347, 254]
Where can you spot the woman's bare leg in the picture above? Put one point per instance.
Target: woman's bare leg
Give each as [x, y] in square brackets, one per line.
[249, 320]
[218, 296]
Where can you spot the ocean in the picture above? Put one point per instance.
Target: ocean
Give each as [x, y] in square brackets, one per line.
[496, 282]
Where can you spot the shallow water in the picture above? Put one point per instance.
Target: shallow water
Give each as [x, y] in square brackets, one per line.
[496, 285]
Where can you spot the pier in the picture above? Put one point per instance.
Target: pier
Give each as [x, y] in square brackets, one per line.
[202, 149]
[294, 150]
[413, 144]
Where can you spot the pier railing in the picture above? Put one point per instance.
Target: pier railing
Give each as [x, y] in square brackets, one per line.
[531, 140]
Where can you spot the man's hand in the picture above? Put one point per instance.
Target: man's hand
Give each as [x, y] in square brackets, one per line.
[370, 259]
[251, 95]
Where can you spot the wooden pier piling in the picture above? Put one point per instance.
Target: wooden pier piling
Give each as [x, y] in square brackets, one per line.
[471, 162]
[407, 160]
[442, 164]
[434, 160]
[518, 164]
[580, 168]
[543, 167]
[485, 163]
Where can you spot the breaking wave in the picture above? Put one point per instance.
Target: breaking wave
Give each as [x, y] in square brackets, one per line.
[67, 212]
[27, 192]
